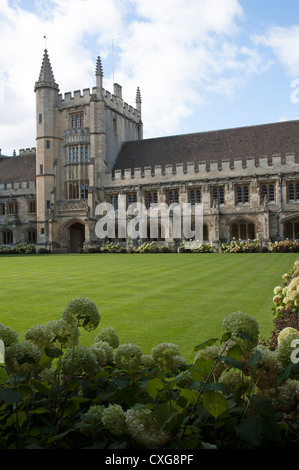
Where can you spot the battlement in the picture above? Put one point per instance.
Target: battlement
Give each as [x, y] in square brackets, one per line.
[252, 166]
[12, 189]
[28, 151]
[112, 101]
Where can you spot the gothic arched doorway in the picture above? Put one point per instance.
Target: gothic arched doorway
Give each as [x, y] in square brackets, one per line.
[77, 237]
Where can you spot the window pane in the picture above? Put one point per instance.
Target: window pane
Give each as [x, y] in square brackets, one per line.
[221, 196]
[246, 194]
[192, 197]
[271, 193]
[239, 195]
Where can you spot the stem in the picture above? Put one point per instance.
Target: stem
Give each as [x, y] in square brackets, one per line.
[202, 388]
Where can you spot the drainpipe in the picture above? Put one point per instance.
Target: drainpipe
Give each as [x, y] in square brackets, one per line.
[280, 209]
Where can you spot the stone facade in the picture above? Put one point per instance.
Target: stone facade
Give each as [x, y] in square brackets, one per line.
[90, 149]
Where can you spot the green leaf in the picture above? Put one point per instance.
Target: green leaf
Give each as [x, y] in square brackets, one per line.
[38, 411]
[232, 362]
[17, 418]
[243, 335]
[250, 431]
[288, 372]
[187, 397]
[26, 360]
[235, 352]
[254, 362]
[201, 368]
[154, 386]
[210, 342]
[215, 403]
[10, 396]
[262, 405]
[53, 352]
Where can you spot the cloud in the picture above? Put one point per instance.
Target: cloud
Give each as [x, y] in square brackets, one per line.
[284, 43]
[180, 53]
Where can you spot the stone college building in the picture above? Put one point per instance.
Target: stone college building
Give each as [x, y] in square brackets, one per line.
[90, 149]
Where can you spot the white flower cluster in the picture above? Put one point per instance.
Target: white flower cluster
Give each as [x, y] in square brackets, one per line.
[144, 428]
[167, 356]
[142, 424]
[288, 296]
[108, 335]
[8, 335]
[103, 352]
[22, 358]
[240, 322]
[83, 313]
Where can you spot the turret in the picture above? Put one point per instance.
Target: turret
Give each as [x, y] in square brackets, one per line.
[47, 145]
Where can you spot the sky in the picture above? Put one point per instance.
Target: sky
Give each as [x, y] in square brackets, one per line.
[201, 65]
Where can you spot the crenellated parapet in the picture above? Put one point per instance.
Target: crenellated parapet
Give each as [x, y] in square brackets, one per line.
[27, 151]
[17, 189]
[213, 170]
[111, 101]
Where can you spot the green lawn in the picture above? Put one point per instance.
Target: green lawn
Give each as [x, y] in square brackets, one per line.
[147, 298]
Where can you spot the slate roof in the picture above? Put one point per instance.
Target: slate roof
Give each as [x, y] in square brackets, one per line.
[17, 169]
[229, 144]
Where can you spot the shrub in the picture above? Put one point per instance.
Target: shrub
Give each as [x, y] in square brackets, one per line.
[240, 246]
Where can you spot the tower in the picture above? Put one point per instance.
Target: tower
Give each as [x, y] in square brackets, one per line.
[47, 146]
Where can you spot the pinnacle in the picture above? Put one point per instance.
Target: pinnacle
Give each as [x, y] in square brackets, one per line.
[46, 76]
[138, 96]
[99, 69]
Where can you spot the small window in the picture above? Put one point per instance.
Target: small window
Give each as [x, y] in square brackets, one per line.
[115, 126]
[218, 195]
[291, 192]
[12, 208]
[242, 194]
[41, 169]
[32, 207]
[40, 118]
[2, 209]
[48, 144]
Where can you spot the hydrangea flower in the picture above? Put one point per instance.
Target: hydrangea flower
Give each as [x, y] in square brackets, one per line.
[266, 376]
[167, 355]
[48, 375]
[94, 415]
[241, 322]
[108, 335]
[128, 356]
[79, 362]
[22, 358]
[231, 378]
[40, 335]
[144, 428]
[83, 313]
[103, 352]
[277, 290]
[113, 419]
[64, 334]
[8, 335]
[147, 361]
[285, 332]
[284, 350]
[211, 353]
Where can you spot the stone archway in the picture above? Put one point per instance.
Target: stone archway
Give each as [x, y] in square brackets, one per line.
[77, 237]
